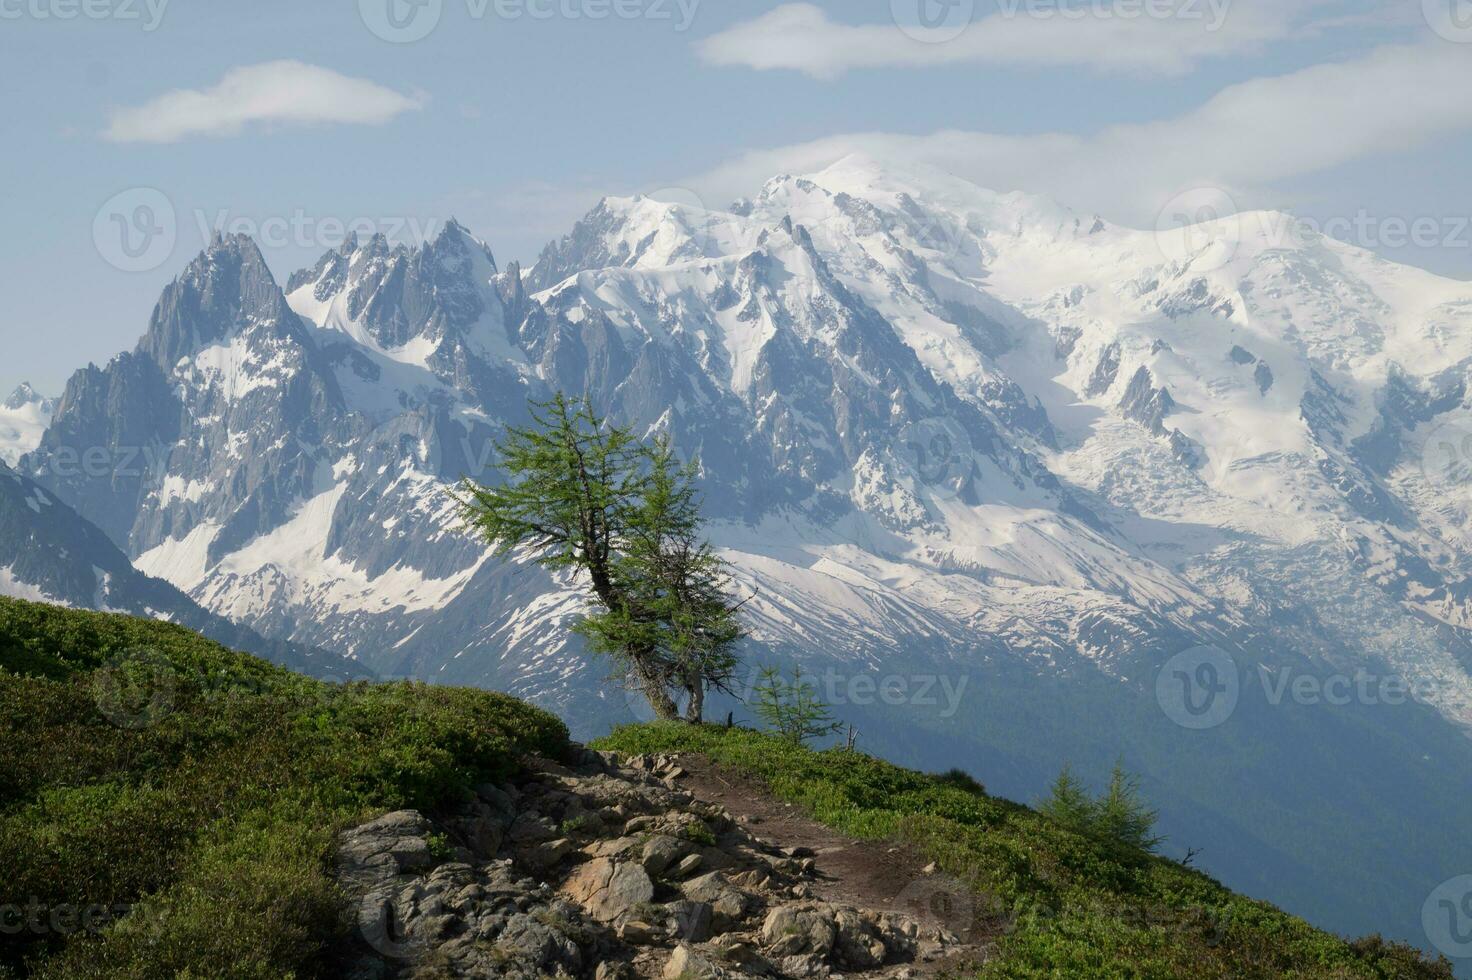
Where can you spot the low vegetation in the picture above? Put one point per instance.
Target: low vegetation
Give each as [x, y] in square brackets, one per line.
[1060, 901]
[791, 709]
[1118, 816]
[167, 807]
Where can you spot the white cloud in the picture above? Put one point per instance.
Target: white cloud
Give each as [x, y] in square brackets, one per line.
[1243, 140]
[286, 92]
[1152, 37]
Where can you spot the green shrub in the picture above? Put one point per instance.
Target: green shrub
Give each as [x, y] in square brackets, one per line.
[1119, 816]
[792, 709]
[961, 779]
[207, 819]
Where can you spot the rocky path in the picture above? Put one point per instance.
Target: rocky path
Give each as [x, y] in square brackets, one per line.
[617, 868]
[860, 872]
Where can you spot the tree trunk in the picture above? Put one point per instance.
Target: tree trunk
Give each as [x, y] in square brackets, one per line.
[695, 709]
[654, 691]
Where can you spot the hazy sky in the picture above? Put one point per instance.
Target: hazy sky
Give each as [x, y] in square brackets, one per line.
[132, 127]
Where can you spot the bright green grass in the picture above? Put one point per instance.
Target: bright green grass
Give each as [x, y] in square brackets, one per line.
[198, 791]
[1060, 904]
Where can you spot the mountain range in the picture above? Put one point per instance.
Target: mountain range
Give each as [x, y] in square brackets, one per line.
[984, 466]
[56, 556]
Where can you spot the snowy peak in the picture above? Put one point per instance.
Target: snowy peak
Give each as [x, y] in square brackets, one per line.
[27, 397]
[642, 232]
[227, 290]
[23, 420]
[433, 305]
[457, 248]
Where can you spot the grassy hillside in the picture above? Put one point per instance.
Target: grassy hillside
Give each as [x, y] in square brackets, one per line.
[190, 794]
[1062, 904]
[167, 808]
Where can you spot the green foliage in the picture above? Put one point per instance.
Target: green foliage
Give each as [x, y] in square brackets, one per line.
[676, 576]
[206, 830]
[586, 495]
[575, 482]
[1056, 902]
[1119, 816]
[1068, 802]
[439, 847]
[573, 826]
[1123, 815]
[792, 709]
[698, 832]
[961, 779]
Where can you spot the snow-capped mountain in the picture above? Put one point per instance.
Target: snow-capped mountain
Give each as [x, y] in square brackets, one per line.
[48, 553]
[943, 431]
[23, 417]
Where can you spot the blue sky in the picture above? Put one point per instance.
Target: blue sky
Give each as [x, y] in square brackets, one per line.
[516, 115]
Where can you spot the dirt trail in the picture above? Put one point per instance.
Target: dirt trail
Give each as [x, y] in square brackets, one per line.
[881, 875]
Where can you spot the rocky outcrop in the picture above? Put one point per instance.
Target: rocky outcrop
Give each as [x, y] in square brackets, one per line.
[608, 870]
